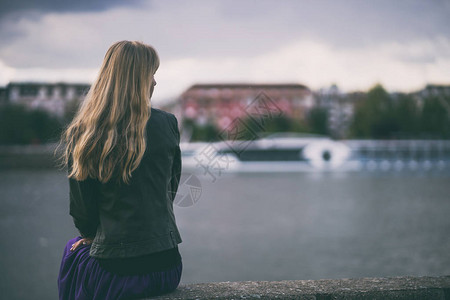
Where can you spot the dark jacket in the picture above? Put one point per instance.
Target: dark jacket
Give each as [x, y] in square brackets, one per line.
[135, 219]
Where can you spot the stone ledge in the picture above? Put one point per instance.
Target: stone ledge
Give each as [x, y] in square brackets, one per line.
[361, 288]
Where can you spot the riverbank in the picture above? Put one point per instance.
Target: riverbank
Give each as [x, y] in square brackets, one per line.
[28, 156]
[406, 287]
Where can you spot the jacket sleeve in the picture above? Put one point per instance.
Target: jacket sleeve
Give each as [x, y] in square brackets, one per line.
[83, 206]
[176, 167]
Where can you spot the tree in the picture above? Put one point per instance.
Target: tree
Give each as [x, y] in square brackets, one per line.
[407, 115]
[318, 121]
[254, 127]
[375, 116]
[19, 125]
[434, 119]
[206, 132]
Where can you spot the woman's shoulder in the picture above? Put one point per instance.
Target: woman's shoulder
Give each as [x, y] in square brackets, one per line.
[162, 114]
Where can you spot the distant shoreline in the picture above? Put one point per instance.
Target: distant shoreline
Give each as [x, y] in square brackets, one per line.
[28, 156]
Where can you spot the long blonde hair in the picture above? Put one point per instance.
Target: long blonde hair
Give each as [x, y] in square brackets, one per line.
[107, 137]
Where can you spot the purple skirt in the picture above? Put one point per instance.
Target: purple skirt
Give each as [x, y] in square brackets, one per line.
[81, 277]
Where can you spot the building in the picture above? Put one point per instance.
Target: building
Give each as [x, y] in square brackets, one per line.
[340, 108]
[52, 97]
[220, 104]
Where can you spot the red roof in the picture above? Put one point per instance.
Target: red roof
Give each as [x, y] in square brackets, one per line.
[248, 85]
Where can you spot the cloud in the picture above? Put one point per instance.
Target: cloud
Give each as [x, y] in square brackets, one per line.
[317, 64]
[74, 75]
[313, 63]
[14, 8]
[215, 29]
[402, 44]
[6, 73]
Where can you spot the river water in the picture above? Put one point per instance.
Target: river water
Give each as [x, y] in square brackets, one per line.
[251, 226]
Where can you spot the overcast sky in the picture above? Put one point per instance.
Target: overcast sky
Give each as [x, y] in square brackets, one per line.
[355, 44]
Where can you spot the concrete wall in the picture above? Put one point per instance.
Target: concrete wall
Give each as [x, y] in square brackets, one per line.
[407, 288]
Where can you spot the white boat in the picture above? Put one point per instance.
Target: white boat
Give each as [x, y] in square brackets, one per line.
[275, 153]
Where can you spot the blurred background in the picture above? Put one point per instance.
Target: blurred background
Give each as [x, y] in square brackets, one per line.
[315, 134]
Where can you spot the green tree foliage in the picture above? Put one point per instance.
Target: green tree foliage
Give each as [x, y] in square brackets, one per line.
[249, 128]
[383, 116]
[435, 118]
[407, 116]
[70, 110]
[253, 127]
[318, 121]
[19, 125]
[207, 132]
[374, 117]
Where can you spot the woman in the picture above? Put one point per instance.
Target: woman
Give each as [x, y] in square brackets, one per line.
[124, 165]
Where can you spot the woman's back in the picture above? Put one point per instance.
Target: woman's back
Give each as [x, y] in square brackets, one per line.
[124, 166]
[138, 218]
